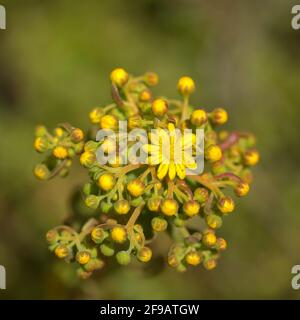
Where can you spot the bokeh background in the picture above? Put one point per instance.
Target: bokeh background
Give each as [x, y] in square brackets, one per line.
[55, 58]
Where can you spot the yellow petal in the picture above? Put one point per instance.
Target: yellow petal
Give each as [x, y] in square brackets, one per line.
[162, 170]
[180, 169]
[172, 171]
[154, 159]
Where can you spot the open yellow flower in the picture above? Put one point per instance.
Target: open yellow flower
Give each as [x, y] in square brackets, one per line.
[172, 151]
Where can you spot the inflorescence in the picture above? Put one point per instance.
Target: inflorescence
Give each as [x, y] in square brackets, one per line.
[131, 203]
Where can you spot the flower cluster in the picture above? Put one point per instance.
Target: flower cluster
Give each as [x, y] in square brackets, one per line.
[131, 203]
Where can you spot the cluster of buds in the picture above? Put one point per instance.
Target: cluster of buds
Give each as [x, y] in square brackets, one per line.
[132, 203]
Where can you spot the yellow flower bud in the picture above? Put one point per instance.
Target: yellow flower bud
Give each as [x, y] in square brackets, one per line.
[87, 158]
[106, 181]
[119, 77]
[153, 203]
[210, 264]
[251, 157]
[108, 122]
[193, 258]
[169, 207]
[159, 107]
[136, 187]
[62, 251]
[151, 79]
[226, 205]
[145, 96]
[98, 235]
[118, 234]
[108, 145]
[201, 195]
[198, 117]
[145, 254]
[213, 221]
[42, 172]
[159, 224]
[77, 135]
[221, 244]
[123, 258]
[242, 189]
[134, 121]
[59, 132]
[213, 153]
[186, 86]
[83, 257]
[191, 208]
[209, 239]
[95, 115]
[52, 236]
[122, 207]
[219, 116]
[60, 152]
[41, 144]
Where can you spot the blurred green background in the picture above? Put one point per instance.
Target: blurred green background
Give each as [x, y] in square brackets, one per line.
[55, 58]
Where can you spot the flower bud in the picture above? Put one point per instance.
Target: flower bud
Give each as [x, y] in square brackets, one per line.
[107, 250]
[123, 258]
[98, 235]
[82, 274]
[108, 122]
[193, 258]
[219, 116]
[134, 121]
[106, 181]
[210, 264]
[62, 251]
[60, 152]
[145, 96]
[92, 201]
[77, 135]
[91, 146]
[95, 115]
[83, 257]
[119, 77]
[201, 195]
[209, 239]
[191, 208]
[198, 117]
[105, 206]
[94, 264]
[213, 153]
[242, 189]
[136, 187]
[226, 205]
[59, 132]
[186, 86]
[118, 234]
[41, 144]
[145, 254]
[41, 131]
[251, 157]
[159, 224]
[169, 207]
[221, 244]
[173, 260]
[42, 172]
[151, 79]
[213, 221]
[153, 203]
[52, 236]
[159, 107]
[122, 206]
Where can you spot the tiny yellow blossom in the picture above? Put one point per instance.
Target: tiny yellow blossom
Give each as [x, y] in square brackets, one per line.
[213, 153]
[136, 187]
[108, 122]
[60, 152]
[191, 208]
[198, 117]
[119, 77]
[87, 158]
[106, 181]
[219, 116]
[159, 107]
[169, 207]
[118, 234]
[83, 257]
[226, 205]
[186, 86]
[251, 157]
[193, 258]
[62, 251]
[145, 254]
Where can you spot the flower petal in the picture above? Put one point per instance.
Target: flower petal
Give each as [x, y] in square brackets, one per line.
[162, 171]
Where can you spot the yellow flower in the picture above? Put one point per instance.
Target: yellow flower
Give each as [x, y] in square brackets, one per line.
[219, 116]
[106, 181]
[136, 187]
[209, 239]
[213, 153]
[77, 135]
[226, 205]
[122, 206]
[145, 96]
[61, 251]
[119, 76]
[169, 207]
[41, 144]
[41, 171]
[151, 78]
[59, 132]
[198, 117]
[145, 254]
[251, 157]
[186, 86]
[193, 258]
[242, 189]
[60, 152]
[159, 107]
[210, 264]
[171, 151]
[191, 208]
[83, 257]
[221, 244]
[87, 158]
[159, 224]
[118, 234]
[95, 115]
[108, 122]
